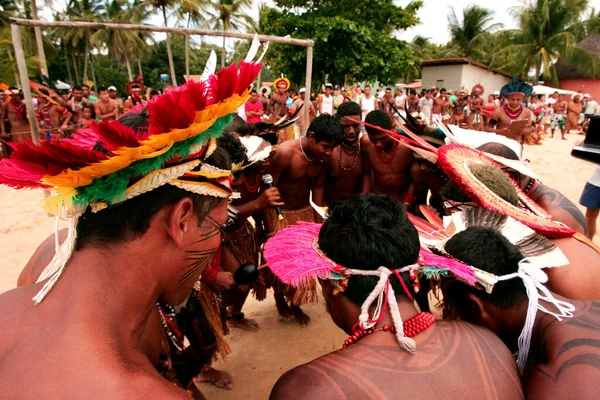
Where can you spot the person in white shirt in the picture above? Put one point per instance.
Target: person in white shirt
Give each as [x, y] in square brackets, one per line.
[327, 101]
[368, 103]
[592, 106]
[400, 100]
[426, 105]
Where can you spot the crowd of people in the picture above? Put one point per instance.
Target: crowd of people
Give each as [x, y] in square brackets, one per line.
[186, 204]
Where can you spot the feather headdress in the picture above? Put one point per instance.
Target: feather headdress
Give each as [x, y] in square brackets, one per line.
[165, 142]
[516, 86]
[294, 256]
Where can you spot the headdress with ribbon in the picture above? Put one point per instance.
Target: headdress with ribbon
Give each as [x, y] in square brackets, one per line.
[294, 256]
[166, 142]
[538, 251]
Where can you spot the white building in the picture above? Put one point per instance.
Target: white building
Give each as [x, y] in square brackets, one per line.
[462, 73]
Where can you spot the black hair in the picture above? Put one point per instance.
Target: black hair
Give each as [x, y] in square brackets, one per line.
[154, 91]
[136, 121]
[253, 91]
[488, 250]
[327, 128]
[13, 88]
[368, 86]
[378, 118]
[231, 143]
[413, 91]
[264, 90]
[387, 88]
[84, 85]
[89, 107]
[102, 89]
[77, 87]
[349, 109]
[499, 149]
[367, 232]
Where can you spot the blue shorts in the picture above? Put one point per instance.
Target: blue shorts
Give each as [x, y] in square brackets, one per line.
[590, 197]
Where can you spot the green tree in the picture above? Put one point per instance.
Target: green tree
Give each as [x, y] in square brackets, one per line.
[544, 37]
[352, 41]
[163, 6]
[475, 29]
[423, 49]
[230, 15]
[194, 12]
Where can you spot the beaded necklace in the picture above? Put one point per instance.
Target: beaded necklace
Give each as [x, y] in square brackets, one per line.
[169, 324]
[512, 114]
[339, 156]
[412, 327]
[392, 154]
[251, 188]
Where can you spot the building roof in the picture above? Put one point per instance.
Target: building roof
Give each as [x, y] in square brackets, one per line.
[459, 61]
[567, 71]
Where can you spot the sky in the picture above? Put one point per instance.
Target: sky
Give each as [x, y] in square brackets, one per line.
[433, 15]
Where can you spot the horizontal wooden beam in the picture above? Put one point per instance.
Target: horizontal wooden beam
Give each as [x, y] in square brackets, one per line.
[151, 28]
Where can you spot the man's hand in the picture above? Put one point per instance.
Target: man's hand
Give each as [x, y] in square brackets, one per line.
[223, 282]
[270, 198]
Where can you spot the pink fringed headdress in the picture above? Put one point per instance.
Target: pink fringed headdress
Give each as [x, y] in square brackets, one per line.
[294, 256]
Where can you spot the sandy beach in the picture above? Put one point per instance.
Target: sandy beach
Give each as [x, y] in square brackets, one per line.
[258, 359]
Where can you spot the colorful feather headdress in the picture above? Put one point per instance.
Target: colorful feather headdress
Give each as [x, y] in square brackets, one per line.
[538, 251]
[294, 256]
[165, 142]
[516, 86]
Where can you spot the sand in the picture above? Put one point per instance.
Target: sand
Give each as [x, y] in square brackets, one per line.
[258, 359]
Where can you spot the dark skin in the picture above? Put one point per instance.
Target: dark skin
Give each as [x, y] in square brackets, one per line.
[377, 368]
[500, 122]
[335, 183]
[391, 179]
[427, 177]
[294, 175]
[564, 358]
[95, 316]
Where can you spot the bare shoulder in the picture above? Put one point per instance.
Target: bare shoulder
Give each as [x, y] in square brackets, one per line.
[365, 143]
[149, 386]
[301, 382]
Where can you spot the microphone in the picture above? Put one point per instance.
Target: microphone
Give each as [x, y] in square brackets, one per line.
[268, 181]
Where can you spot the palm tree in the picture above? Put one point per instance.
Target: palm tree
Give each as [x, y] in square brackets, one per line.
[82, 10]
[195, 12]
[230, 15]
[543, 38]
[163, 6]
[477, 25]
[120, 44]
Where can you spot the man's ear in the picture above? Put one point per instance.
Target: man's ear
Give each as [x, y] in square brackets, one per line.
[310, 135]
[476, 310]
[327, 289]
[180, 221]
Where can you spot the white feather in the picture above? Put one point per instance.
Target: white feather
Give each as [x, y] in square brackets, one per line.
[211, 66]
[253, 49]
[265, 48]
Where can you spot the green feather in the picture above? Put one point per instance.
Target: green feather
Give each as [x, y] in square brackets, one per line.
[111, 188]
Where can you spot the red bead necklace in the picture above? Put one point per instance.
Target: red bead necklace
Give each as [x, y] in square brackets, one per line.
[392, 154]
[512, 114]
[251, 188]
[412, 327]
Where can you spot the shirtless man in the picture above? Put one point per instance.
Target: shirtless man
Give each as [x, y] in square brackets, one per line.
[374, 366]
[563, 359]
[76, 103]
[438, 105]
[14, 112]
[413, 102]
[114, 95]
[512, 110]
[459, 108]
[99, 330]
[294, 168]
[573, 112]
[277, 108]
[344, 174]
[475, 106]
[389, 161]
[87, 116]
[52, 118]
[559, 115]
[386, 102]
[559, 206]
[135, 97]
[106, 108]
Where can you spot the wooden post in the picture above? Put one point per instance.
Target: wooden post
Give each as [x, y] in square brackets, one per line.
[20, 56]
[308, 84]
[39, 40]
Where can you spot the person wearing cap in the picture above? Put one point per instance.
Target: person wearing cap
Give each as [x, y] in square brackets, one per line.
[338, 97]
[277, 108]
[301, 121]
[365, 252]
[501, 120]
[13, 118]
[134, 90]
[106, 108]
[590, 110]
[326, 105]
[114, 95]
[496, 95]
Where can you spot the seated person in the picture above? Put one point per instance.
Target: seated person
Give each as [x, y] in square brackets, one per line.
[558, 351]
[384, 357]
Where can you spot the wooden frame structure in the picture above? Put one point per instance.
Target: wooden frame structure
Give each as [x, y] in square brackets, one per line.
[16, 23]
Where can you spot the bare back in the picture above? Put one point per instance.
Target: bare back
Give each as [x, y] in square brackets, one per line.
[453, 360]
[567, 365]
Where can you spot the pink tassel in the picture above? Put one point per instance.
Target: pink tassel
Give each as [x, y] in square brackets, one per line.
[457, 268]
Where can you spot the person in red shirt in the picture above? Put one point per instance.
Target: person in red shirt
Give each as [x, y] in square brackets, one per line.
[254, 108]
